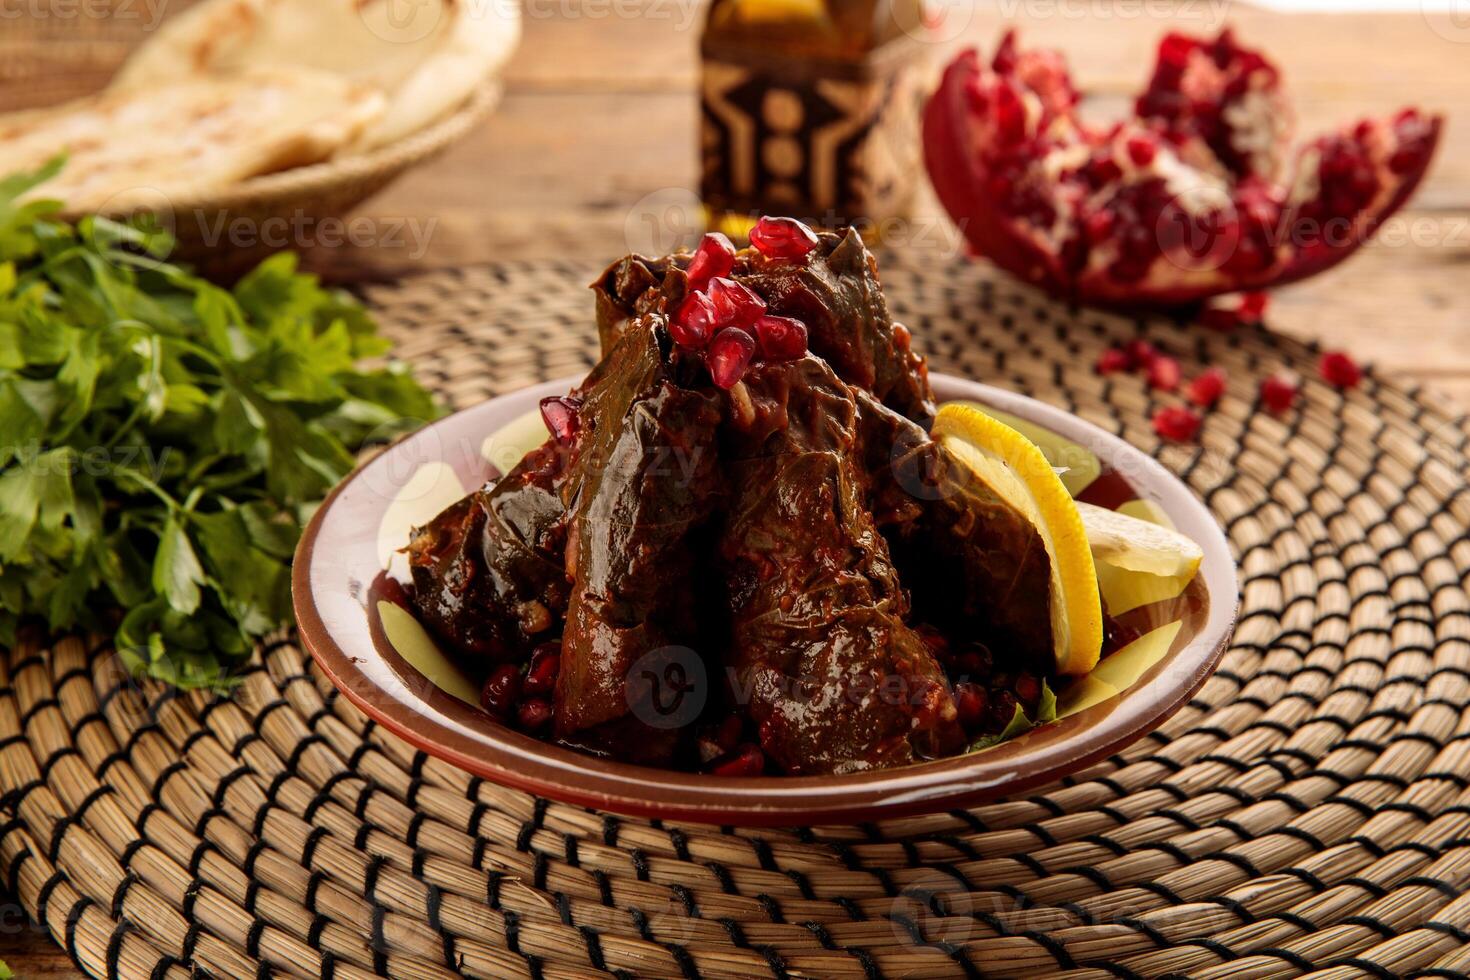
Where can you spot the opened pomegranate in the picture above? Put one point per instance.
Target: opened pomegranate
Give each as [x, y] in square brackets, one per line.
[1189, 198]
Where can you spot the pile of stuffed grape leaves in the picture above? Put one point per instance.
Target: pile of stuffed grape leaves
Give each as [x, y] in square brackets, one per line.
[741, 512]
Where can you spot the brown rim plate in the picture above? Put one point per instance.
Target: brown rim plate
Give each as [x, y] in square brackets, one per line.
[341, 557]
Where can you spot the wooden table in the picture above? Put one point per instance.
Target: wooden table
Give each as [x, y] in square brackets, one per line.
[596, 136]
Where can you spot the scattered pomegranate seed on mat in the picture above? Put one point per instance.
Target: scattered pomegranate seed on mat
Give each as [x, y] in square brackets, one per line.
[1340, 370]
[1208, 387]
[1164, 373]
[1176, 423]
[1113, 360]
[1278, 392]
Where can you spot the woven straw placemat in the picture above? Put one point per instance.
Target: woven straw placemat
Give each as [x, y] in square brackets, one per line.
[1306, 813]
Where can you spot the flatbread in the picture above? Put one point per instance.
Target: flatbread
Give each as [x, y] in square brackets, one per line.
[192, 138]
[428, 56]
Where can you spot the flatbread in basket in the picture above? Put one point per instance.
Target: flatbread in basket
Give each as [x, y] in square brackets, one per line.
[429, 56]
[131, 148]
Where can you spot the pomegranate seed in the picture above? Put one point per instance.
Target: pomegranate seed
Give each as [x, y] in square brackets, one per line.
[781, 338]
[560, 416]
[694, 324]
[500, 692]
[1141, 150]
[745, 760]
[1164, 373]
[533, 715]
[1140, 353]
[735, 304]
[541, 675]
[1340, 370]
[782, 238]
[1176, 423]
[1253, 306]
[729, 355]
[1207, 389]
[1113, 360]
[715, 256]
[1278, 392]
[970, 702]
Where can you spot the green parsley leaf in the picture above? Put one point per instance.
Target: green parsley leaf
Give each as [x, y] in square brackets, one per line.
[5, 973]
[162, 438]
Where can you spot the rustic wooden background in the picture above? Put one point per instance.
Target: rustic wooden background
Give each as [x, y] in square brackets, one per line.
[593, 153]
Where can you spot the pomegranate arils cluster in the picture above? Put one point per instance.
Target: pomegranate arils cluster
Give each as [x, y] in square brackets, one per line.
[726, 319]
[523, 698]
[1177, 423]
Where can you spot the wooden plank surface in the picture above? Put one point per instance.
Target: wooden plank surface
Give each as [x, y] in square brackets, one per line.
[596, 137]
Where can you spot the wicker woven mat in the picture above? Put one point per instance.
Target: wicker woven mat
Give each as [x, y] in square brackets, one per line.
[1306, 812]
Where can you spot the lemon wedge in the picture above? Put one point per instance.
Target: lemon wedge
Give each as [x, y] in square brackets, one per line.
[1019, 473]
[1138, 545]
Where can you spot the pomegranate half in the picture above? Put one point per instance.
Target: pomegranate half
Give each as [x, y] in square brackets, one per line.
[1197, 194]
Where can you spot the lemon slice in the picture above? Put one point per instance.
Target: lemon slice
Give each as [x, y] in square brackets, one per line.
[1138, 545]
[1016, 471]
[1077, 465]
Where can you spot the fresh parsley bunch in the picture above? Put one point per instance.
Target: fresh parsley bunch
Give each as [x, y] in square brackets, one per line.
[162, 439]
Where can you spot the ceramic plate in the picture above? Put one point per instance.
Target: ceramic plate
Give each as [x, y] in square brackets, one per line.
[380, 658]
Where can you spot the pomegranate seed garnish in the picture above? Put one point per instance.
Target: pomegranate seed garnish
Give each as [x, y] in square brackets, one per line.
[694, 324]
[745, 760]
[541, 675]
[970, 702]
[1253, 306]
[1278, 392]
[715, 256]
[560, 416]
[1141, 150]
[1113, 360]
[1206, 389]
[533, 715]
[729, 355]
[1141, 353]
[781, 338]
[735, 304]
[1176, 423]
[782, 238]
[1164, 373]
[500, 692]
[1340, 370]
